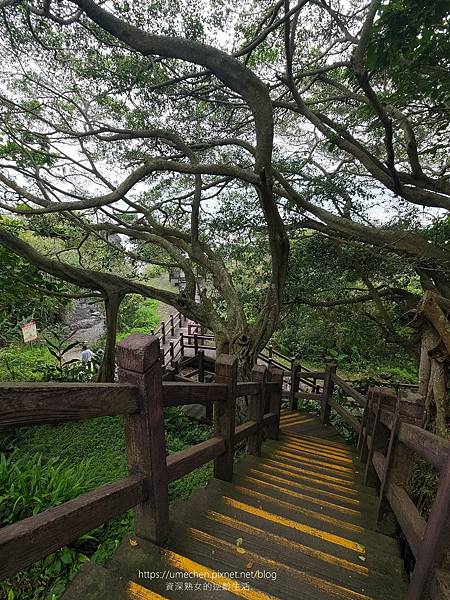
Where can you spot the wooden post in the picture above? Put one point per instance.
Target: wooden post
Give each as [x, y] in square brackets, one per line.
[295, 381]
[388, 461]
[179, 320]
[163, 332]
[256, 407]
[225, 415]
[162, 359]
[275, 375]
[374, 442]
[182, 345]
[328, 386]
[201, 378]
[195, 344]
[201, 366]
[363, 432]
[435, 540]
[367, 421]
[172, 353]
[172, 326]
[270, 350]
[138, 361]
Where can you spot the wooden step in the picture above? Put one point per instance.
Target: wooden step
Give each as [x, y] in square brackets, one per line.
[265, 548]
[356, 535]
[97, 583]
[335, 509]
[246, 512]
[283, 579]
[306, 473]
[141, 561]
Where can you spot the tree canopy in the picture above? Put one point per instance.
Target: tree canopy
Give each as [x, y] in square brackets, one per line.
[183, 129]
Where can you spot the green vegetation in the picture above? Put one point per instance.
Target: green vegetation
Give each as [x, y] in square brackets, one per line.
[137, 315]
[26, 294]
[291, 160]
[24, 362]
[40, 467]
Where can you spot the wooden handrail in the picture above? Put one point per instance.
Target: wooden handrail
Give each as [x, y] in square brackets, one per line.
[244, 431]
[347, 388]
[183, 462]
[434, 449]
[346, 415]
[178, 394]
[31, 539]
[199, 346]
[314, 374]
[429, 540]
[40, 403]
[248, 388]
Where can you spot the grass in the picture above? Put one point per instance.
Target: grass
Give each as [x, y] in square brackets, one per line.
[24, 362]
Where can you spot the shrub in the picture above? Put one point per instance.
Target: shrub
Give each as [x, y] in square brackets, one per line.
[137, 313]
[20, 362]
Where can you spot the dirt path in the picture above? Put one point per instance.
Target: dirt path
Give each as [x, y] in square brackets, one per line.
[88, 323]
[86, 318]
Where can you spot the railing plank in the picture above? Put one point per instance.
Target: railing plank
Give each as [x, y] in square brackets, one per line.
[269, 419]
[435, 547]
[346, 415]
[40, 403]
[243, 431]
[178, 394]
[313, 374]
[29, 540]
[347, 388]
[183, 462]
[386, 418]
[410, 521]
[428, 445]
[309, 396]
[247, 388]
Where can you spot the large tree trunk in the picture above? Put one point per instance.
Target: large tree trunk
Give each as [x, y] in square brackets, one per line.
[433, 379]
[107, 369]
[245, 347]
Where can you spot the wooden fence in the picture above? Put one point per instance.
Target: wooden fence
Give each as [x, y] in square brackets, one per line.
[140, 396]
[389, 440]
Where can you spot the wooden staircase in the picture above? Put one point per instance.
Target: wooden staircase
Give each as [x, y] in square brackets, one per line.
[294, 523]
[294, 519]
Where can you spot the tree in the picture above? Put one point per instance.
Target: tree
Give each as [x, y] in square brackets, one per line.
[310, 63]
[33, 148]
[26, 294]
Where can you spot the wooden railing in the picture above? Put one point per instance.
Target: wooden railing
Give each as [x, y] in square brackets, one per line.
[140, 396]
[199, 340]
[168, 328]
[389, 440]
